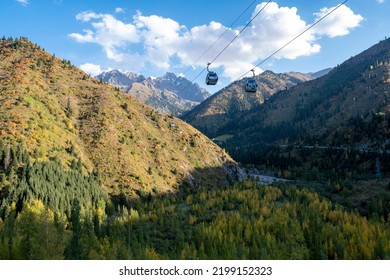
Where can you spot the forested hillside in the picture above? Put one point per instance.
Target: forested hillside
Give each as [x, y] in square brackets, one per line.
[47, 212]
[347, 108]
[87, 172]
[242, 221]
[228, 104]
[57, 112]
[332, 128]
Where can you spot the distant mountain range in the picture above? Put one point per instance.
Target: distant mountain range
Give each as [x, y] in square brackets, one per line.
[168, 94]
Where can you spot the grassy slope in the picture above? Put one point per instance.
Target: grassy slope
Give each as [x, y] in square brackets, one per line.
[56, 110]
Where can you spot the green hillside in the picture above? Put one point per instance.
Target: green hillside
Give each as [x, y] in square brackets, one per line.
[56, 111]
[87, 172]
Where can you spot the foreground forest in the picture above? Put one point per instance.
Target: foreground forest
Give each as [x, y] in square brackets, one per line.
[87, 172]
[51, 213]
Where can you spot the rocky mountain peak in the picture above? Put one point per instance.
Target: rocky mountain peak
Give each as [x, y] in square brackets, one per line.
[168, 93]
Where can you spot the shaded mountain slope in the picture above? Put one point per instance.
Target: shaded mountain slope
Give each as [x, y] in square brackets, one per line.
[348, 107]
[226, 105]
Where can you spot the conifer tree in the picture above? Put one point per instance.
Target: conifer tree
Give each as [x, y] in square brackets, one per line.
[75, 249]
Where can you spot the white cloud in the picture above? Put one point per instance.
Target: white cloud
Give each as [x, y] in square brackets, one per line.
[380, 1]
[119, 10]
[276, 27]
[165, 43]
[87, 16]
[338, 23]
[110, 33]
[23, 2]
[160, 37]
[92, 69]
[267, 33]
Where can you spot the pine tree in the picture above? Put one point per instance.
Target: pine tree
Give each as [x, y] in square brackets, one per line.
[377, 168]
[68, 109]
[75, 249]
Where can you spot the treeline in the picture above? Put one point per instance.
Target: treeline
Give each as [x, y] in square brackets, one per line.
[315, 163]
[288, 151]
[244, 221]
[337, 171]
[375, 125]
[22, 182]
[51, 213]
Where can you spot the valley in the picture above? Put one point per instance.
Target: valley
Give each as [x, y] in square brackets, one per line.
[301, 169]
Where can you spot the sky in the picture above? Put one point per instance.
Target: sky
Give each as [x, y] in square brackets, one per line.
[152, 37]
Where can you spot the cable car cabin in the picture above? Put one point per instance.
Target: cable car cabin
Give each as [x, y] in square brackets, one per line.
[250, 85]
[211, 78]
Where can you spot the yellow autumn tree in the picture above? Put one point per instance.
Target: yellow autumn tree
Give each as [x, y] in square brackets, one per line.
[40, 234]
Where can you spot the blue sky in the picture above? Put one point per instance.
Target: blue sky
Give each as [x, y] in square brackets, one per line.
[152, 37]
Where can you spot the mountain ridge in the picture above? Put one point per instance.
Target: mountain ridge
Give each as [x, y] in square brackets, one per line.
[224, 106]
[168, 94]
[348, 107]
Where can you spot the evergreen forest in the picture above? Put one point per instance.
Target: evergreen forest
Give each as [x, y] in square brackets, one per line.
[49, 212]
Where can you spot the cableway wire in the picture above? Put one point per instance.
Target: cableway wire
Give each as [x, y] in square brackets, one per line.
[292, 40]
[226, 30]
[219, 54]
[239, 33]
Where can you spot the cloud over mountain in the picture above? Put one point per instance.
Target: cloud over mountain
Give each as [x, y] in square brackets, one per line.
[163, 42]
[91, 68]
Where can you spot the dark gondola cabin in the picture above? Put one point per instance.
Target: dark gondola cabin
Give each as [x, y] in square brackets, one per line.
[211, 78]
[250, 85]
